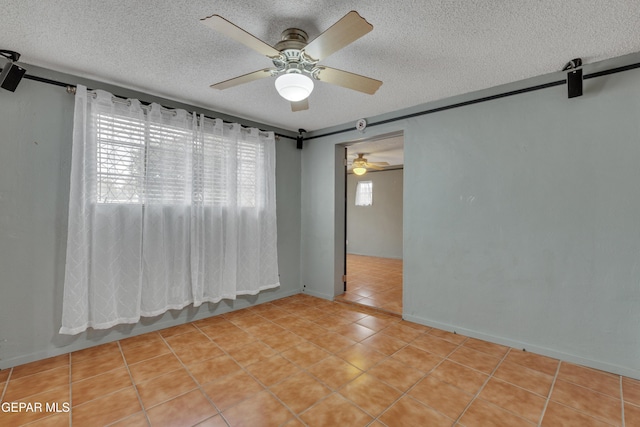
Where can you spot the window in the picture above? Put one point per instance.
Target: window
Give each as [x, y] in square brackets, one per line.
[364, 193]
[221, 169]
[120, 159]
[166, 209]
[140, 162]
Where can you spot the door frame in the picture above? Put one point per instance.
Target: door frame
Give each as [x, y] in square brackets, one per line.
[340, 284]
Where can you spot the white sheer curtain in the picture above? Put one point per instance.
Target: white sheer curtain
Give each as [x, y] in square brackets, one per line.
[364, 193]
[166, 209]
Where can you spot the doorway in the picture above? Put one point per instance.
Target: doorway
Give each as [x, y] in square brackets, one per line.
[373, 219]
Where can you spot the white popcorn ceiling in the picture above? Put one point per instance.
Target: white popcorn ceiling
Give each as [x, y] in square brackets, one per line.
[422, 50]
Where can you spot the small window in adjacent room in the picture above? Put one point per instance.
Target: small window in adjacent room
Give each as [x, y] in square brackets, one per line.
[364, 193]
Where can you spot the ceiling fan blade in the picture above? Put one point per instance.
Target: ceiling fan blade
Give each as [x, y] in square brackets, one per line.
[246, 78]
[300, 105]
[370, 166]
[348, 29]
[378, 163]
[349, 80]
[231, 30]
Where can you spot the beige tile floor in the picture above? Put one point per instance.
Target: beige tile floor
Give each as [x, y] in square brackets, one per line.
[306, 361]
[374, 282]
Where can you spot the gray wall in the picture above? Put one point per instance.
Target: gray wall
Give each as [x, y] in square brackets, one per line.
[35, 151]
[520, 218]
[376, 230]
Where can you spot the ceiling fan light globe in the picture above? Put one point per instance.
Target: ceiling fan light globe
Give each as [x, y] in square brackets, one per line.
[294, 87]
[359, 170]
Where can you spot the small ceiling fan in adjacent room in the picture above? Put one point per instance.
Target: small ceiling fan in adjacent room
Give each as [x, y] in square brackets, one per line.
[360, 165]
[296, 62]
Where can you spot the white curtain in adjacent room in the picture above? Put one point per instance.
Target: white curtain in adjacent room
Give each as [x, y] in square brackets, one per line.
[166, 209]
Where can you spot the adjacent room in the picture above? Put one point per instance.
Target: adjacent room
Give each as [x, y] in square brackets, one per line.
[322, 214]
[374, 224]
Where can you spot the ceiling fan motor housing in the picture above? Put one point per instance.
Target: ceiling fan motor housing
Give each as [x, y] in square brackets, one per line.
[292, 38]
[292, 59]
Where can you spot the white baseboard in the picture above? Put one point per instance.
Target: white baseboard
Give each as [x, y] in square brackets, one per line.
[567, 357]
[318, 294]
[140, 329]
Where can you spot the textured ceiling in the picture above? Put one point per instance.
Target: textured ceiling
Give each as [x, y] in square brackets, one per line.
[422, 50]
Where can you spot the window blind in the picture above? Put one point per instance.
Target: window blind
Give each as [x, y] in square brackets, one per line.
[140, 162]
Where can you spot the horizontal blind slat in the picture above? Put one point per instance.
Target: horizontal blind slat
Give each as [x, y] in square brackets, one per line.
[157, 163]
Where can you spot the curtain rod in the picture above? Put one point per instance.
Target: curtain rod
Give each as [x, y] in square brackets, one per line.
[407, 116]
[147, 107]
[485, 99]
[72, 89]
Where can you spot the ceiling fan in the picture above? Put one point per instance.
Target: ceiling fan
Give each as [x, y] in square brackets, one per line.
[360, 165]
[296, 61]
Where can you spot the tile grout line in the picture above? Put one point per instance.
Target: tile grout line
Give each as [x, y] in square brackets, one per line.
[277, 353]
[445, 358]
[126, 366]
[257, 338]
[336, 391]
[6, 385]
[386, 311]
[546, 403]
[266, 388]
[406, 393]
[464, 411]
[133, 383]
[622, 401]
[166, 373]
[305, 370]
[376, 274]
[191, 375]
[387, 357]
[582, 411]
[379, 310]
